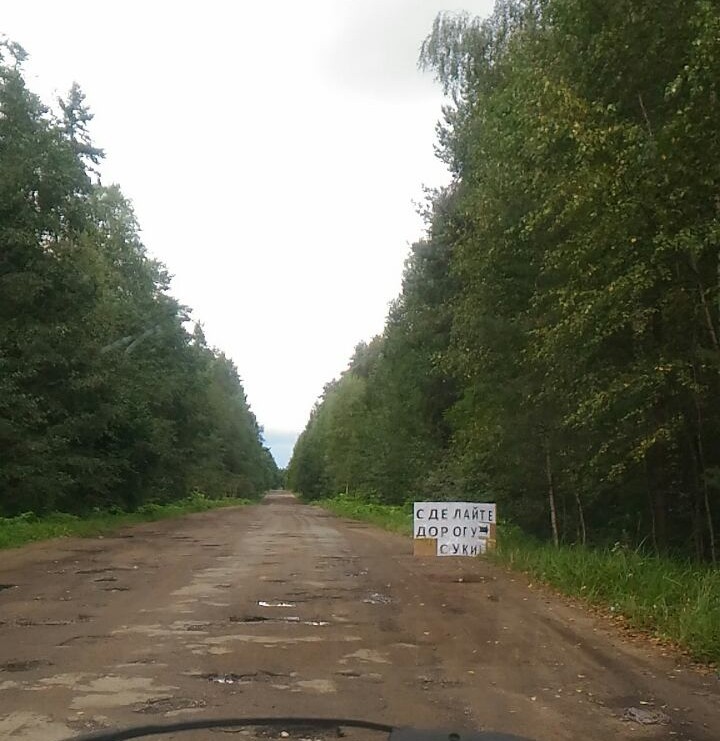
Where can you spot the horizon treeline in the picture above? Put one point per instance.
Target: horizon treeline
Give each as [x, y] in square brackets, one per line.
[556, 344]
[107, 401]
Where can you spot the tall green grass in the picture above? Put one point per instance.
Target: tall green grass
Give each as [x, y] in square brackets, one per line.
[675, 600]
[672, 599]
[396, 519]
[26, 528]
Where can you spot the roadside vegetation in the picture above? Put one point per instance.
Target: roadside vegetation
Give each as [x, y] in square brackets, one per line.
[29, 527]
[676, 601]
[398, 519]
[555, 347]
[110, 398]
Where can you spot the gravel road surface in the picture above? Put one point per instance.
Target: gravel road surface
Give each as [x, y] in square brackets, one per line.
[283, 609]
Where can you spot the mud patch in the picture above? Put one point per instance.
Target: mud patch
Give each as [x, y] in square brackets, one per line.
[269, 640]
[367, 655]
[109, 691]
[23, 666]
[160, 705]
[83, 640]
[28, 726]
[27, 623]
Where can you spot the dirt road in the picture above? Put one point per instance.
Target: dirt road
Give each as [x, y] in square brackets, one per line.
[283, 609]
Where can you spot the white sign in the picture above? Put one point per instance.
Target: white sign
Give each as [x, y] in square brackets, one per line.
[458, 528]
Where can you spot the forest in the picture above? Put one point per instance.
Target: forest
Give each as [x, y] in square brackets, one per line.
[555, 347]
[110, 397]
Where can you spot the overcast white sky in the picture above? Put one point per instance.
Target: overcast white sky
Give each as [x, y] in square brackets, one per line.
[273, 152]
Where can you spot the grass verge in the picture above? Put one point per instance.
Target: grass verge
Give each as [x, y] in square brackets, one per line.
[673, 600]
[396, 519]
[27, 528]
[677, 601]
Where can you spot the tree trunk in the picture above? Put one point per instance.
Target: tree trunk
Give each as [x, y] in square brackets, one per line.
[551, 495]
[702, 474]
[581, 517]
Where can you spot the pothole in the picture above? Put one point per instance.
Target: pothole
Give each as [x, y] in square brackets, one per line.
[293, 619]
[7, 586]
[93, 571]
[261, 675]
[23, 666]
[377, 599]
[116, 589]
[303, 733]
[646, 716]
[106, 578]
[27, 623]
[159, 705]
[458, 579]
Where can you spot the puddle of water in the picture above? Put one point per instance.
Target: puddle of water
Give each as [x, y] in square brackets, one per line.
[377, 599]
[7, 586]
[262, 603]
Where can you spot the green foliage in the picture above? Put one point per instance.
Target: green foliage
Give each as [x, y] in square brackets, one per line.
[106, 399]
[556, 345]
[29, 527]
